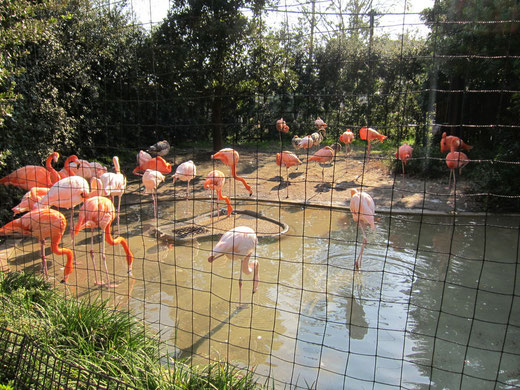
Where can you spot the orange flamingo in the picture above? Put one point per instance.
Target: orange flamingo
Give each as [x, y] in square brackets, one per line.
[455, 160]
[99, 211]
[368, 134]
[230, 157]
[30, 199]
[151, 180]
[157, 164]
[363, 208]
[31, 176]
[288, 159]
[450, 143]
[114, 184]
[323, 156]
[347, 137]
[281, 126]
[240, 241]
[215, 181]
[43, 224]
[404, 154]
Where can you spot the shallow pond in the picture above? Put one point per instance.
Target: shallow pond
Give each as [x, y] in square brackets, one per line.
[436, 297]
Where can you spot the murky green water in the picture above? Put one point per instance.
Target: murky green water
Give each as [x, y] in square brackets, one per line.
[436, 297]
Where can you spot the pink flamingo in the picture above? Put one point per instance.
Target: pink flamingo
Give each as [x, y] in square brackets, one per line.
[323, 156]
[450, 143]
[240, 241]
[43, 224]
[404, 154]
[114, 184]
[455, 160]
[319, 124]
[230, 157]
[31, 176]
[368, 134]
[347, 137]
[215, 181]
[157, 164]
[185, 172]
[86, 169]
[151, 180]
[281, 126]
[287, 159]
[99, 211]
[29, 199]
[363, 208]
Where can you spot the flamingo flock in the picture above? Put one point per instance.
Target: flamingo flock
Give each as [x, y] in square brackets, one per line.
[90, 186]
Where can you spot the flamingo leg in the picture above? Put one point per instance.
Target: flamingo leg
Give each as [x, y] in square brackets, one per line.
[357, 264]
[288, 183]
[187, 197]
[449, 180]
[118, 208]
[93, 260]
[44, 259]
[402, 164]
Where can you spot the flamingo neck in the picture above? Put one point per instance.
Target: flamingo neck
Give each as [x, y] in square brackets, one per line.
[120, 241]
[234, 174]
[55, 176]
[69, 266]
[226, 199]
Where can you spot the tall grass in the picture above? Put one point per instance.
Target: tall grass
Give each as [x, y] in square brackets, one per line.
[94, 336]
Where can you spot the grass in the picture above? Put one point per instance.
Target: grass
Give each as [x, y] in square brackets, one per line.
[96, 337]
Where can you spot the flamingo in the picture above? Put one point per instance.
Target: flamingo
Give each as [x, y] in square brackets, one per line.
[368, 134]
[85, 169]
[288, 159]
[151, 180]
[363, 208]
[449, 141]
[31, 176]
[230, 157]
[29, 199]
[114, 184]
[161, 148]
[186, 172]
[156, 163]
[240, 241]
[43, 224]
[347, 137]
[456, 160]
[99, 211]
[404, 154]
[215, 181]
[281, 126]
[320, 125]
[323, 156]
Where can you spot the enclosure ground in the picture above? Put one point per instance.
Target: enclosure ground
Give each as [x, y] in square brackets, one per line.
[392, 192]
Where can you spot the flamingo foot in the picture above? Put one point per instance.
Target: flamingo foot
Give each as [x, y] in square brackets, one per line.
[111, 285]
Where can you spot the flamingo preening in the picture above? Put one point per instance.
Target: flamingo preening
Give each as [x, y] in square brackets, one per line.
[347, 138]
[239, 242]
[215, 181]
[451, 143]
[287, 159]
[42, 224]
[99, 211]
[230, 157]
[114, 184]
[30, 199]
[156, 163]
[151, 180]
[31, 176]
[363, 208]
[368, 134]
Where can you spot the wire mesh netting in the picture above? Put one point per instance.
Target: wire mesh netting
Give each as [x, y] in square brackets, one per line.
[324, 239]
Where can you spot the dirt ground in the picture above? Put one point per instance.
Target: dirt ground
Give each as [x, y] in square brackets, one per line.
[391, 192]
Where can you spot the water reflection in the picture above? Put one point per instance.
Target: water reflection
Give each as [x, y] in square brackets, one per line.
[434, 297]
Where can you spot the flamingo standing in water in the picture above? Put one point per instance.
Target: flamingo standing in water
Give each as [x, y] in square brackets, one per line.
[347, 137]
[114, 184]
[240, 241]
[30, 199]
[455, 160]
[230, 157]
[450, 143]
[404, 154]
[43, 224]
[215, 181]
[368, 134]
[99, 211]
[363, 208]
[288, 159]
[31, 176]
[151, 180]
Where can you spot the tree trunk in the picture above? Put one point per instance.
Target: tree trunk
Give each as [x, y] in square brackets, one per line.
[216, 122]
